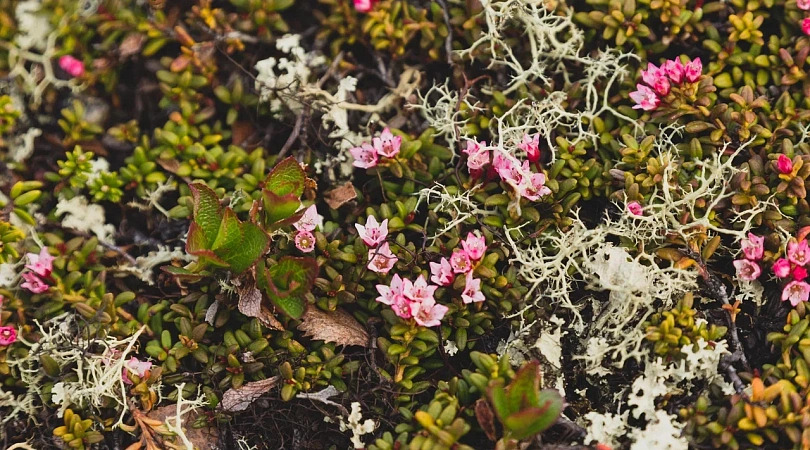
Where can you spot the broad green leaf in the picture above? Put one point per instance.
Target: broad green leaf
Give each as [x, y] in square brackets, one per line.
[229, 236]
[293, 306]
[253, 245]
[207, 211]
[530, 421]
[497, 395]
[522, 391]
[287, 178]
[195, 241]
[278, 208]
[287, 281]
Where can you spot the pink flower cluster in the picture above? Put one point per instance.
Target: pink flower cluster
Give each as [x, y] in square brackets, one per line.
[364, 6]
[8, 335]
[309, 221]
[804, 5]
[367, 155]
[137, 367]
[462, 261]
[659, 80]
[72, 66]
[519, 176]
[40, 266]
[412, 299]
[380, 257]
[793, 266]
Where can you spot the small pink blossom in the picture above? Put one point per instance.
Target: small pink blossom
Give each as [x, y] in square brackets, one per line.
[652, 74]
[507, 168]
[460, 261]
[474, 246]
[803, 4]
[373, 233]
[533, 186]
[33, 283]
[635, 209]
[798, 253]
[389, 294]
[472, 290]
[41, 264]
[381, 259]
[796, 292]
[137, 367]
[477, 155]
[806, 25]
[8, 335]
[365, 156]
[305, 241]
[310, 220]
[784, 164]
[645, 98]
[531, 145]
[387, 144]
[428, 313]
[747, 270]
[419, 290]
[799, 273]
[781, 268]
[674, 70]
[753, 247]
[364, 6]
[693, 70]
[441, 273]
[72, 66]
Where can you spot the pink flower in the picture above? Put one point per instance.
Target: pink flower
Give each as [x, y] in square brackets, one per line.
[33, 283]
[806, 25]
[41, 264]
[781, 268]
[674, 70]
[305, 241]
[8, 335]
[460, 261]
[531, 145]
[389, 294]
[310, 220]
[533, 186]
[753, 247]
[365, 157]
[799, 273]
[419, 290]
[387, 144]
[796, 292]
[803, 4]
[472, 290]
[635, 209]
[645, 98]
[381, 259]
[442, 273]
[373, 233]
[137, 367]
[507, 168]
[428, 313]
[747, 270]
[478, 155]
[693, 70]
[652, 74]
[784, 164]
[474, 246]
[798, 253]
[72, 66]
[364, 5]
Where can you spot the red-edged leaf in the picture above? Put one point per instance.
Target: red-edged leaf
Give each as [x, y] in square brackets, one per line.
[286, 178]
[280, 210]
[530, 421]
[207, 211]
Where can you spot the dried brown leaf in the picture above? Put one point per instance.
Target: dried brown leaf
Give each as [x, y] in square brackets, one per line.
[336, 326]
[340, 195]
[239, 399]
[250, 301]
[201, 438]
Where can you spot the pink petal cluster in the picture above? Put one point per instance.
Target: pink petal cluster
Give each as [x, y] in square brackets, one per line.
[477, 155]
[40, 265]
[72, 66]
[472, 290]
[784, 164]
[526, 183]
[753, 248]
[386, 144]
[305, 241]
[381, 259]
[461, 261]
[475, 246]
[364, 6]
[658, 81]
[793, 265]
[441, 273]
[412, 299]
[796, 292]
[803, 4]
[635, 209]
[137, 367]
[373, 233]
[747, 270]
[310, 220]
[531, 145]
[806, 26]
[8, 335]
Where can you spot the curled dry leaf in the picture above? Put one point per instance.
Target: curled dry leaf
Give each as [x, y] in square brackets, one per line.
[336, 326]
[340, 195]
[238, 399]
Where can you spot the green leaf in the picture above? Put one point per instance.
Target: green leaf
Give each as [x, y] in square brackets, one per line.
[279, 209]
[207, 211]
[497, 395]
[522, 391]
[531, 421]
[253, 244]
[287, 178]
[229, 235]
[287, 281]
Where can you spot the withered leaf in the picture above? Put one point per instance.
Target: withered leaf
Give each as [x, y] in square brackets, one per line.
[340, 195]
[485, 417]
[239, 399]
[336, 326]
[202, 438]
[250, 301]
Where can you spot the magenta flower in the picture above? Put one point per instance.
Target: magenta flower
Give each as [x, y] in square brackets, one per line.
[310, 220]
[796, 292]
[477, 155]
[33, 283]
[373, 233]
[305, 241]
[41, 264]
[645, 98]
[753, 247]
[803, 4]
[387, 144]
[474, 246]
[531, 145]
[365, 156]
[693, 70]
[8, 335]
[460, 261]
[781, 268]
[652, 74]
[419, 290]
[533, 186]
[806, 25]
[472, 290]
[428, 313]
[635, 209]
[442, 273]
[799, 273]
[364, 6]
[747, 270]
[784, 164]
[72, 66]
[137, 367]
[674, 70]
[381, 259]
[798, 253]
[507, 168]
